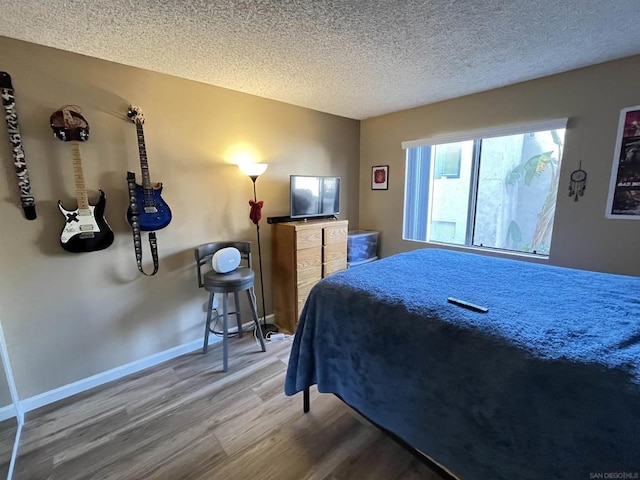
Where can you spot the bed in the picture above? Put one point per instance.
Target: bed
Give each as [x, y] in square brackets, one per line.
[546, 384]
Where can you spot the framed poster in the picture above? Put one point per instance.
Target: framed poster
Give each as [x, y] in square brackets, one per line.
[624, 188]
[380, 177]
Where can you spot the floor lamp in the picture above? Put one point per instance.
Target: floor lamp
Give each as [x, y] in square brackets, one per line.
[253, 171]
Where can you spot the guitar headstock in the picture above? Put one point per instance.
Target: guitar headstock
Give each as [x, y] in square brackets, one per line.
[68, 125]
[135, 114]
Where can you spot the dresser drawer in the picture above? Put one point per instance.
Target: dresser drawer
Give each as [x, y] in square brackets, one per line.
[303, 293]
[308, 275]
[334, 266]
[300, 307]
[334, 251]
[308, 257]
[335, 233]
[308, 238]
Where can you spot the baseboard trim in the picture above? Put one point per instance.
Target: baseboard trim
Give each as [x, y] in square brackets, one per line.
[8, 412]
[60, 393]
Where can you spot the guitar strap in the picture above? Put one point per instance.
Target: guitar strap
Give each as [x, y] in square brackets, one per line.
[135, 228]
[11, 116]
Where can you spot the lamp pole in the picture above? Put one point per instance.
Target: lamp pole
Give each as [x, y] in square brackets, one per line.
[265, 328]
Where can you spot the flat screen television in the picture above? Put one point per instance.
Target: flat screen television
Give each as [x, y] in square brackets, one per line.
[314, 196]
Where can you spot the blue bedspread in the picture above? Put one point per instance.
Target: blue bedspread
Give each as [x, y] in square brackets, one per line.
[545, 385]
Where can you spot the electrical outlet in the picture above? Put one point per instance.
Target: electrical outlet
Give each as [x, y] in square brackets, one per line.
[217, 303]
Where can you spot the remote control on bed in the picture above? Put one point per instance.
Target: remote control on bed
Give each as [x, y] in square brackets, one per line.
[470, 306]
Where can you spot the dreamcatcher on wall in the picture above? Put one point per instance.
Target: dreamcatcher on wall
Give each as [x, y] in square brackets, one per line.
[578, 182]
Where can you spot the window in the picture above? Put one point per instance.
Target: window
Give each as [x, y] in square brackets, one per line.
[447, 161]
[493, 189]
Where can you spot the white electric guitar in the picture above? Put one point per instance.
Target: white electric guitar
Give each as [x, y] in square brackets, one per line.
[85, 228]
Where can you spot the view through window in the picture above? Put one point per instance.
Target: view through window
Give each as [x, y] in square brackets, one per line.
[497, 192]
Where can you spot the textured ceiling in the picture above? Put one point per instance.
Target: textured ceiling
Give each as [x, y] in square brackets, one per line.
[354, 58]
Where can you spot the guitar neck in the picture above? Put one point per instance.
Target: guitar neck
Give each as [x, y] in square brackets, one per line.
[144, 164]
[78, 176]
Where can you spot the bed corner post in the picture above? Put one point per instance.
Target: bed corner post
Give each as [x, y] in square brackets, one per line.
[305, 400]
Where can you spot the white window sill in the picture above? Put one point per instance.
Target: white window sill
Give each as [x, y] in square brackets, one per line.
[493, 251]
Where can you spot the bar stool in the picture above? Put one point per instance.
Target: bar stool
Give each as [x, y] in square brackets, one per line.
[236, 281]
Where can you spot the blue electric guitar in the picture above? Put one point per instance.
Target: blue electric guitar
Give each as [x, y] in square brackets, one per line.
[153, 213]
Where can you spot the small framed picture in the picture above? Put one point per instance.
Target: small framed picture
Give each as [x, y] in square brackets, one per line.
[380, 177]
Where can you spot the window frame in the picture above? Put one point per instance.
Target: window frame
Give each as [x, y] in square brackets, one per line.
[439, 167]
[476, 136]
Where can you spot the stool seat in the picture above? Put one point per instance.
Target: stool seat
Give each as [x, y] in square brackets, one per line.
[235, 281]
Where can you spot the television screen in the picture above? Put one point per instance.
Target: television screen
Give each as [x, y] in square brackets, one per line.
[314, 196]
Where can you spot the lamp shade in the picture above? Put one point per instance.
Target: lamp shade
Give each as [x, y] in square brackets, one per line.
[253, 169]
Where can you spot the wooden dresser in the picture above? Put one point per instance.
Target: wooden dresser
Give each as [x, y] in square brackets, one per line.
[303, 253]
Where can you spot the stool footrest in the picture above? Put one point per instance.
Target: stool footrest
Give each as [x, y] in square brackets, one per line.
[213, 316]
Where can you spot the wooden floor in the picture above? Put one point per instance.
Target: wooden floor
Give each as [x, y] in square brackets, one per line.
[185, 419]
[8, 430]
